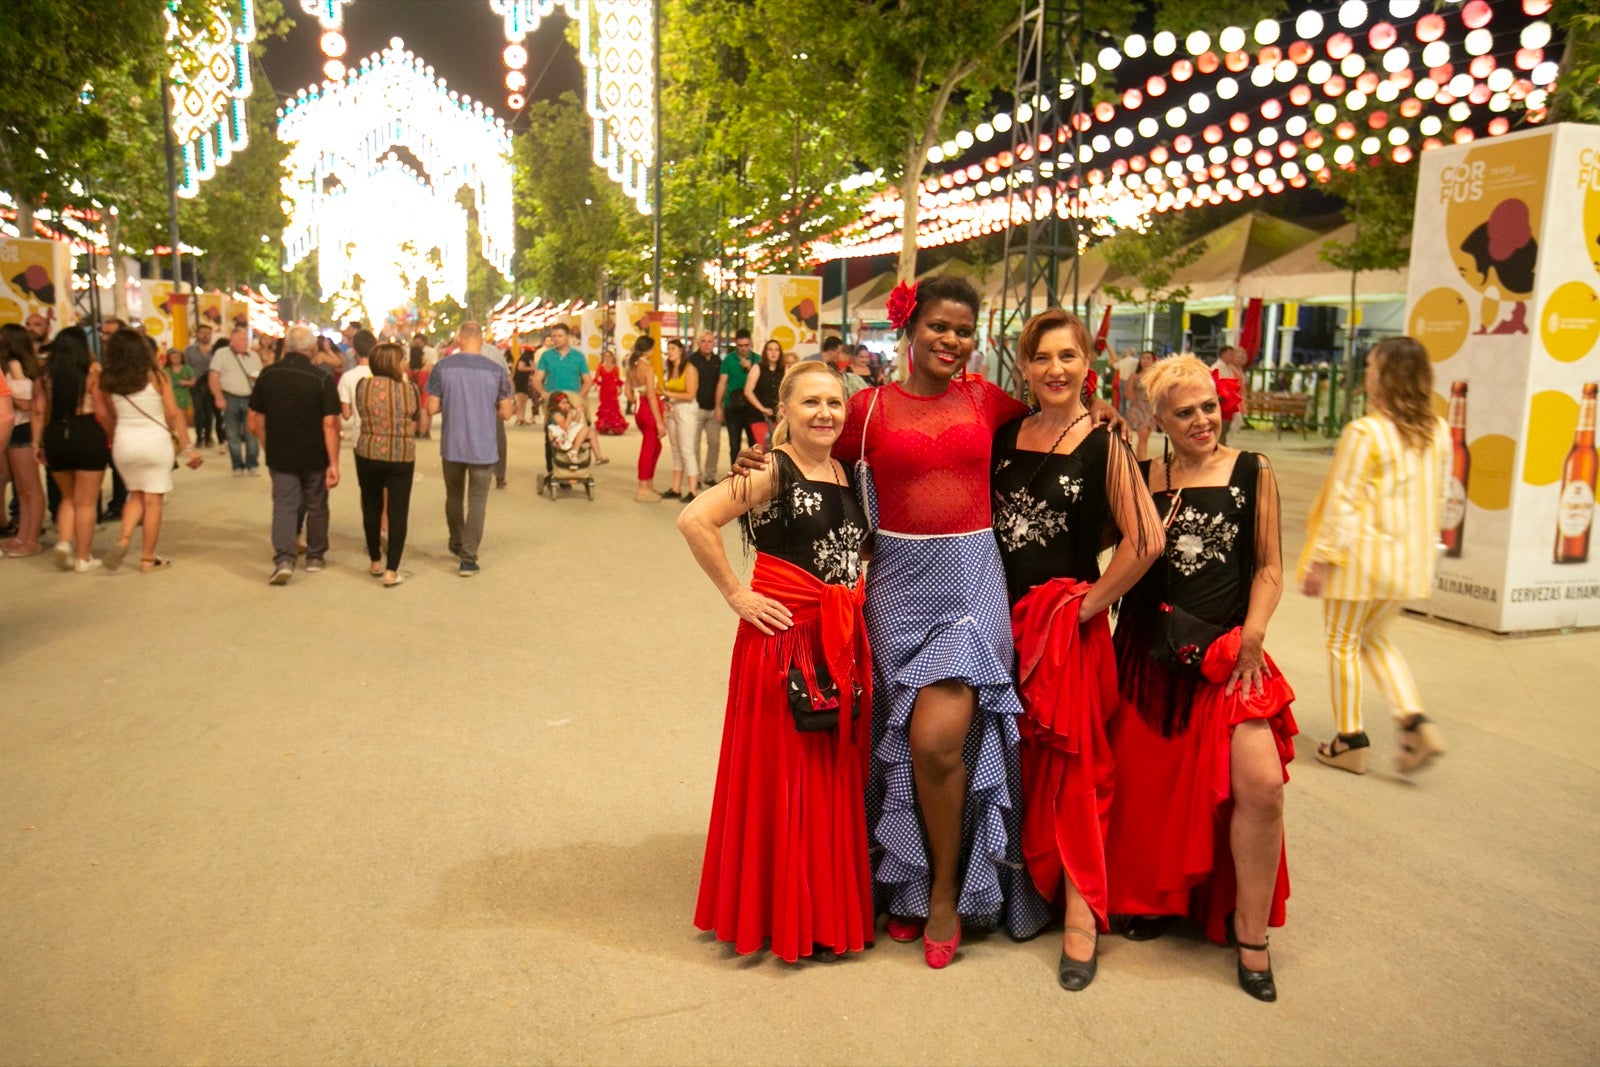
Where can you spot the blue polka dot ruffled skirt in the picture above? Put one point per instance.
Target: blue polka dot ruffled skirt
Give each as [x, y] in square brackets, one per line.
[936, 609]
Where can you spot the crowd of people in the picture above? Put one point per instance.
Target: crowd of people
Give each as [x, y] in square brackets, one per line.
[953, 736]
[931, 717]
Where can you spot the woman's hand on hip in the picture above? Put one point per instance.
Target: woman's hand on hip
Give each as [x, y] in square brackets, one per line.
[764, 613]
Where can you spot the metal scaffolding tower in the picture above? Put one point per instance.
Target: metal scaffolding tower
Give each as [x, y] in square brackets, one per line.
[1040, 251]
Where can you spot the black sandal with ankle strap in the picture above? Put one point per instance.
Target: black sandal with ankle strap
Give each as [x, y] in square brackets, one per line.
[1258, 984]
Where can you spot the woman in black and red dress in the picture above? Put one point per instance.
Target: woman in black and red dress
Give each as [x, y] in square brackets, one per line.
[786, 857]
[1064, 489]
[1203, 744]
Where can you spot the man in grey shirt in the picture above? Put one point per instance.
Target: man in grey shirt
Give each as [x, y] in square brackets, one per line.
[234, 371]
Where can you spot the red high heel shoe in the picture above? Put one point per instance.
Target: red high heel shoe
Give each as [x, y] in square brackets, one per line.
[905, 931]
[940, 953]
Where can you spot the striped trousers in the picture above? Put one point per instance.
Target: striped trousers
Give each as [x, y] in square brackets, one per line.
[1357, 636]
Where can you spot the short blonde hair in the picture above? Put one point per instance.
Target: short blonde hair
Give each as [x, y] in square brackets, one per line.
[1172, 372]
[791, 386]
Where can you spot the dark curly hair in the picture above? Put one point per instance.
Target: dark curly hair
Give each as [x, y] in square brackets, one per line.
[128, 364]
[942, 287]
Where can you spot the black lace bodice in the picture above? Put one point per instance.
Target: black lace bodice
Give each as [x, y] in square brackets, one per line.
[1051, 511]
[817, 526]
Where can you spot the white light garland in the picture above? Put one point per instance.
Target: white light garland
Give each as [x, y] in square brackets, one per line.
[616, 47]
[209, 74]
[367, 213]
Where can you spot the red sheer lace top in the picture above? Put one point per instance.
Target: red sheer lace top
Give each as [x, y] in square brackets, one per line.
[929, 454]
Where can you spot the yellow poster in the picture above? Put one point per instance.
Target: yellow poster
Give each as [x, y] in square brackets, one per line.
[787, 310]
[597, 330]
[633, 320]
[36, 279]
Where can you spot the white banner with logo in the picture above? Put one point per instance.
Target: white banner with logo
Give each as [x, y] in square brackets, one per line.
[1505, 295]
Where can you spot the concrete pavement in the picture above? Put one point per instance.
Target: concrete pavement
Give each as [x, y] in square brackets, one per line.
[461, 821]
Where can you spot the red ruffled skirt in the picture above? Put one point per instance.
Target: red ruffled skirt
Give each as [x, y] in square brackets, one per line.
[786, 857]
[1067, 680]
[1167, 852]
[608, 417]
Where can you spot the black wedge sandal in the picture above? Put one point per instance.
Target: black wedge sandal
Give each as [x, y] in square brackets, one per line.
[1348, 752]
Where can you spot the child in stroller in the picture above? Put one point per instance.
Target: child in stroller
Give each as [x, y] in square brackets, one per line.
[571, 447]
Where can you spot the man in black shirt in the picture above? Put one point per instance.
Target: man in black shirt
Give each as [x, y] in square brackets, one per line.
[708, 425]
[294, 411]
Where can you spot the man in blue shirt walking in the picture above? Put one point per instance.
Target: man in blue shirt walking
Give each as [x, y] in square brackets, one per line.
[473, 394]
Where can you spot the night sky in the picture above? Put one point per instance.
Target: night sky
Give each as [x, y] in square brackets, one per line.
[461, 39]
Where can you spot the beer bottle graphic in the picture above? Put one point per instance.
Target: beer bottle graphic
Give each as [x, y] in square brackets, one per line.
[1575, 512]
[1453, 517]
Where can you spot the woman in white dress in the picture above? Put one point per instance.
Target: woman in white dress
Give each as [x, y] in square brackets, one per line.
[147, 427]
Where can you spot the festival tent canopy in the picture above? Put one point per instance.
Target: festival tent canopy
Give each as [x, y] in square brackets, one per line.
[1233, 250]
[1303, 275]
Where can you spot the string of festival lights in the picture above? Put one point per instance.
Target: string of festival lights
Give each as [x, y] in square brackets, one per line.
[1419, 71]
[208, 76]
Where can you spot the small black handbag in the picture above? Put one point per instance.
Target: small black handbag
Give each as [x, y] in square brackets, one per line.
[814, 716]
[1184, 638]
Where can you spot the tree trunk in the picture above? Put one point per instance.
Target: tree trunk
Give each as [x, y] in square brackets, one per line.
[24, 217]
[119, 272]
[917, 162]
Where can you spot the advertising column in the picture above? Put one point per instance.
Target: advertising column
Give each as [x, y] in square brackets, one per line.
[787, 311]
[1505, 296]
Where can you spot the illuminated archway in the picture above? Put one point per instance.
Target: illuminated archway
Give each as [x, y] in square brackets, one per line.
[355, 198]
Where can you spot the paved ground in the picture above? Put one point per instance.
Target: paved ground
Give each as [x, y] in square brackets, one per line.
[461, 821]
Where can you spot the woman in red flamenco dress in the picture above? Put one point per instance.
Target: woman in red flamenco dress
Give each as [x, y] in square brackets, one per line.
[609, 419]
[1204, 740]
[786, 860]
[1062, 489]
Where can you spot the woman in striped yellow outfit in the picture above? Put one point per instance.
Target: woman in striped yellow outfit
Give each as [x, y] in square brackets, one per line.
[1371, 547]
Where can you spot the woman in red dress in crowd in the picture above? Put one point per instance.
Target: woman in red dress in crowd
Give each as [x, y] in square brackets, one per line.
[1203, 744]
[609, 419]
[645, 395]
[1063, 489]
[786, 857]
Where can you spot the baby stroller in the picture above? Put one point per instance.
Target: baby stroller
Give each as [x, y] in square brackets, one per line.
[566, 468]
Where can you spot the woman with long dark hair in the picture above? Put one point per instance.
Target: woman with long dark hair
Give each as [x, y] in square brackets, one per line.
[70, 418]
[679, 382]
[761, 388]
[1371, 548]
[786, 855]
[21, 371]
[1063, 490]
[645, 396]
[145, 427]
[1204, 741]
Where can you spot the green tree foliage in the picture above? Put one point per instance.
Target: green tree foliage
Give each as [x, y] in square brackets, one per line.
[1153, 259]
[238, 217]
[575, 225]
[1577, 90]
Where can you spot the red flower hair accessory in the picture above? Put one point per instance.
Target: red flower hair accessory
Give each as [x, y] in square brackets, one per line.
[902, 302]
[1090, 382]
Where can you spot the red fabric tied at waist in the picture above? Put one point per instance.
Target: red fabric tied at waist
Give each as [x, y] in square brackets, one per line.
[827, 623]
[1053, 674]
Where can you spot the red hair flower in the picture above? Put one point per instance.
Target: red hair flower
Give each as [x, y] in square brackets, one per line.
[1229, 396]
[1090, 382]
[902, 302]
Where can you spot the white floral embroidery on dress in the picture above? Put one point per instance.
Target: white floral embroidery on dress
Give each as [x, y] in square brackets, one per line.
[1196, 537]
[838, 555]
[1072, 487]
[1237, 494]
[1021, 519]
[805, 502]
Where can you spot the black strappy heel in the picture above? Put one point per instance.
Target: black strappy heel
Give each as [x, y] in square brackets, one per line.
[1258, 984]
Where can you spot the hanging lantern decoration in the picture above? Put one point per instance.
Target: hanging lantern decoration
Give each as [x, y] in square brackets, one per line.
[209, 82]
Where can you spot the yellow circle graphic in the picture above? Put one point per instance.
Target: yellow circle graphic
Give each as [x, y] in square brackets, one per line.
[154, 324]
[1441, 405]
[1492, 458]
[1570, 322]
[1552, 419]
[784, 336]
[1440, 321]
